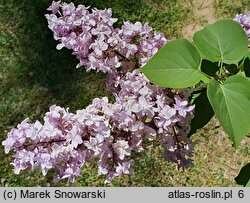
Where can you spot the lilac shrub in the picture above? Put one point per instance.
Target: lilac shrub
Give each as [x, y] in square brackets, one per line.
[110, 132]
[244, 21]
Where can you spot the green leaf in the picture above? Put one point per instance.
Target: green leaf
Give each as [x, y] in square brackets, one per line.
[209, 67]
[175, 65]
[231, 102]
[203, 113]
[248, 184]
[244, 176]
[223, 41]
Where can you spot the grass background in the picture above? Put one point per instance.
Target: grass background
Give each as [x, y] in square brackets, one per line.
[34, 75]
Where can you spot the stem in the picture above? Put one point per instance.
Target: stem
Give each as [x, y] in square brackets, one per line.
[42, 143]
[199, 91]
[221, 67]
[210, 77]
[121, 55]
[175, 136]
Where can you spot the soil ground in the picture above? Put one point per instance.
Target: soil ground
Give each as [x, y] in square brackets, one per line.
[203, 13]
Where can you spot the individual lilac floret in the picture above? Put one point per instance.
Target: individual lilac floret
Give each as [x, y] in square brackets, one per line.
[182, 106]
[122, 149]
[54, 7]
[165, 119]
[23, 160]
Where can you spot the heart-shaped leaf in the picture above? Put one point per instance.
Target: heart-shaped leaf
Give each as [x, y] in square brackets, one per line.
[231, 102]
[175, 65]
[223, 41]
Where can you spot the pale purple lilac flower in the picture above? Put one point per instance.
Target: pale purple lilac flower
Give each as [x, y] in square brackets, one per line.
[110, 132]
[244, 21]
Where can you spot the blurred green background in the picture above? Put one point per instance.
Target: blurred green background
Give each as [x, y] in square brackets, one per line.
[34, 76]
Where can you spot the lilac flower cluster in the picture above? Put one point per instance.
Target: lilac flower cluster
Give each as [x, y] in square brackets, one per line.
[95, 42]
[110, 132]
[244, 21]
